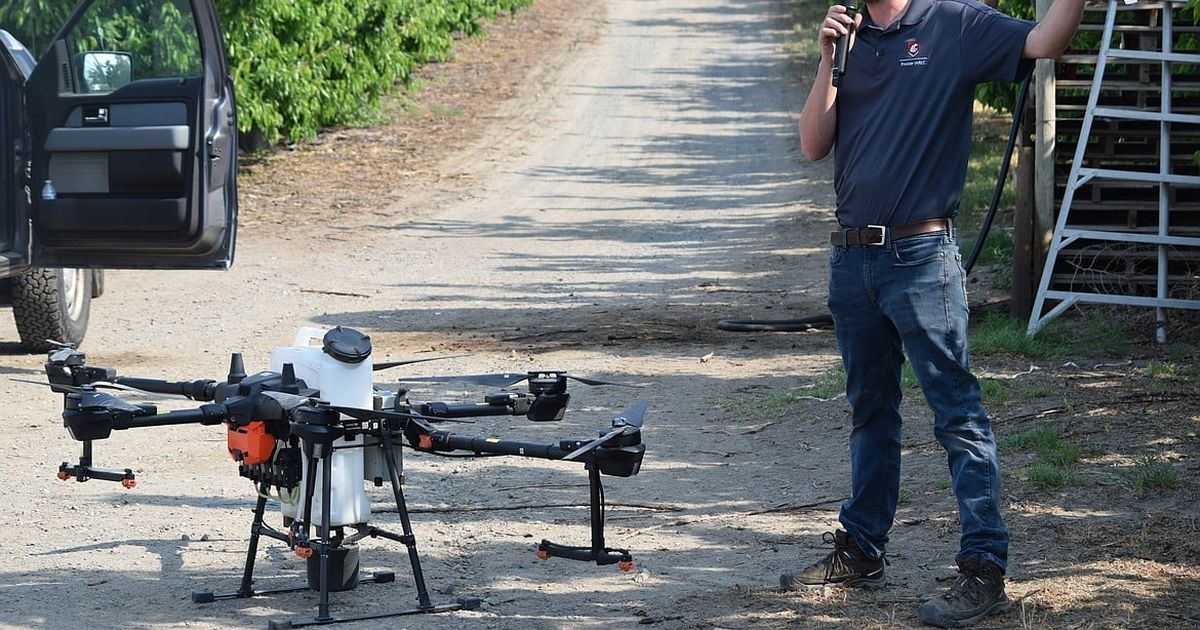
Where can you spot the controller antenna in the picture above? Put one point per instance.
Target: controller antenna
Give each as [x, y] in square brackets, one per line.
[237, 369]
[287, 382]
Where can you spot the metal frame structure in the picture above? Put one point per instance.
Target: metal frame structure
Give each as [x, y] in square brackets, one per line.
[1079, 176]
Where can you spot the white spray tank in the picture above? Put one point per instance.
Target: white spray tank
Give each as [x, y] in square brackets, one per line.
[339, 366]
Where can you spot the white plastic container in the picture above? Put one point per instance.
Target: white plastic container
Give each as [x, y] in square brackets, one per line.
[340, 382]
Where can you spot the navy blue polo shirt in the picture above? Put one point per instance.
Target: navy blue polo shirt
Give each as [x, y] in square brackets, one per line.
[904, 109]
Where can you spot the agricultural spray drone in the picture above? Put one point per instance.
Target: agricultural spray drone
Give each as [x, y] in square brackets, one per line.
[310, 430]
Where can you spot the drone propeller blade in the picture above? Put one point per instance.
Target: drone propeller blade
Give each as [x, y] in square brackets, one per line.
[487, 380]
[43, 384]
[77, 388]
[592, 381]
[634, 415]
[594, 443]
[387, 365]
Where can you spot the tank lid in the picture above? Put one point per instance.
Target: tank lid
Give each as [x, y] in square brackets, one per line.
[347, 345]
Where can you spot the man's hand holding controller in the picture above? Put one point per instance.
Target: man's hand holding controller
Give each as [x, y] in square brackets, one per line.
[835, 37]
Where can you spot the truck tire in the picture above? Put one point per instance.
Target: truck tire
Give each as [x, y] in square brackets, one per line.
[51, 305]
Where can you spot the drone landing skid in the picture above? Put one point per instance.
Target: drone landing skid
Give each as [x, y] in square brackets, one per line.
[463, 603]
[597, 552]
[84, 470]
[207, 597]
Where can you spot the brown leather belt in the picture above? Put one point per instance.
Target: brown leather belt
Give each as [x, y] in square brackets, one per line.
[880, 234]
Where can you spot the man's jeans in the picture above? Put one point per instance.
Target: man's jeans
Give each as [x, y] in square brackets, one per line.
[911, 294]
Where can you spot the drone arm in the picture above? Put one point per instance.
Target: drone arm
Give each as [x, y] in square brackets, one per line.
[203, 415]
[621, 457]
[499, 405]
[446, 441]
[202, 390]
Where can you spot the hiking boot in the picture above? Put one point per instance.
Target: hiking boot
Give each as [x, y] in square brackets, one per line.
[977, 593]
[846, 565]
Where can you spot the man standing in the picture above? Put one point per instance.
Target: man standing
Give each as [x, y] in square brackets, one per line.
[901, 122]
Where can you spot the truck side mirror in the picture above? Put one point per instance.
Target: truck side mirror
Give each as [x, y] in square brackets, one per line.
[105, 71]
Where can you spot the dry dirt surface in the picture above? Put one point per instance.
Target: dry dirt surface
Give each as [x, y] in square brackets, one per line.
[591, 188]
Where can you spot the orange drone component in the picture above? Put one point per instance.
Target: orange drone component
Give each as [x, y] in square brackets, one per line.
[542, 554]
[626, 565]
[129, 484]
[304, 552]
[64, 475]
[251, 444]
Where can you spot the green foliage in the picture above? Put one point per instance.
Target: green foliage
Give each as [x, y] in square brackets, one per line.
[159, 35]
[34, 22]
[298, 65]
[301, 65]
[1151, 473]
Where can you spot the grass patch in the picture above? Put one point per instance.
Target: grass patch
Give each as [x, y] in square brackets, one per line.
[1150, 473]
[1100, 336]
[904, 497]
[447, 111]
[1171, 370]
[994, 392]
[827, 385]
[908, 377]
[1046, 477]
[999, 334]
[1038, 439]
[1057, 462]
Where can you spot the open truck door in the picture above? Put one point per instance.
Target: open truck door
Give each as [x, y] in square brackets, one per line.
[134, 140]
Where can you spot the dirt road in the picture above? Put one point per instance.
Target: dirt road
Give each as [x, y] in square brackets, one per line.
[646, 187]
[643, 182]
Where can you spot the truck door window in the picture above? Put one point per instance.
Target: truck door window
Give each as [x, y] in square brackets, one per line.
[120, 41]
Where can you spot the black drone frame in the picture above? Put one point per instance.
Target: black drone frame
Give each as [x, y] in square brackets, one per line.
[294, 413]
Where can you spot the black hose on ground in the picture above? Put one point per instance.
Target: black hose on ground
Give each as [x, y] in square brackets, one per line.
[814, 322]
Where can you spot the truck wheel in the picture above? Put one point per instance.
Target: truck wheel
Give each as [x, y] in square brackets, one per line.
[51, 305]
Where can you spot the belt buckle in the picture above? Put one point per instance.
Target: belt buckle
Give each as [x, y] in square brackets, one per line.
[870, 234]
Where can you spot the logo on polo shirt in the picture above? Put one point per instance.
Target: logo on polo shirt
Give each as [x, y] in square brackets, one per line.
[913, 48]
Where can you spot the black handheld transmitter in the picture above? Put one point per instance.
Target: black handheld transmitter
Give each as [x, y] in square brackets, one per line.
[842, 46]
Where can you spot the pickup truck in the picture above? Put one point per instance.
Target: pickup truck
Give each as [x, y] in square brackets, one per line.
[119, 152]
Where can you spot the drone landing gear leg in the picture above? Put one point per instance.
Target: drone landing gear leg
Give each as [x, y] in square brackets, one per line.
[258, 529]
[597, 553]
[424, 605]
[409, 541]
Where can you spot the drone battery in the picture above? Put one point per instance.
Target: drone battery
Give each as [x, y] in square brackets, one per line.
[251, 444]
[341, 570]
